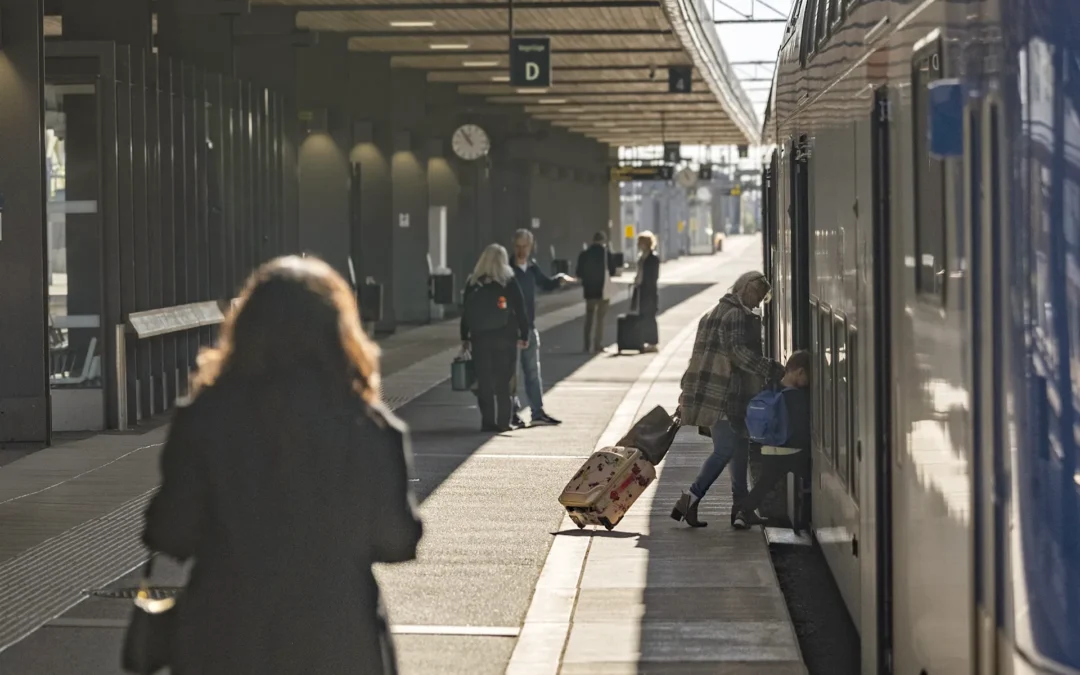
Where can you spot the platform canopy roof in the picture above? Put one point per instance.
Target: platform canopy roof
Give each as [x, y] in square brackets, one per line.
[610, 60]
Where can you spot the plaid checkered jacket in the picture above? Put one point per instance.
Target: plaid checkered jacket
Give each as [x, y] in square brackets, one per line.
[726, 368]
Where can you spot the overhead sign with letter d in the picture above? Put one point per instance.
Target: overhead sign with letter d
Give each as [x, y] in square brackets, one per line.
[530, 62]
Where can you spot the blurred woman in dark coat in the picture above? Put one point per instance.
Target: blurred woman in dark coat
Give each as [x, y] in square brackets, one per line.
[646, 298]
[285, 478]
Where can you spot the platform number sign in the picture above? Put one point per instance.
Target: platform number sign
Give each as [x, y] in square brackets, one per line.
[530, 62]
[680, 79]
[672, 152]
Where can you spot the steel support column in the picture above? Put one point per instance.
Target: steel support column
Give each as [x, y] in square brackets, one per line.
[24, 387]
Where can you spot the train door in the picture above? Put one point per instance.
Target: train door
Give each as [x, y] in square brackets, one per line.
[770, 232]
[883, 375]
[985, 195]
[801, 253]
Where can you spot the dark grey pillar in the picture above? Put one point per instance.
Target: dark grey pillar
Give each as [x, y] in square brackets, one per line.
[444, 191]
[372, 213]
[324, 172]
[274, 66]
[444, 182]
[408, 171]
[24, 388]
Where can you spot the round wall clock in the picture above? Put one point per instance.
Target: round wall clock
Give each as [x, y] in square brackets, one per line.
[470, 142]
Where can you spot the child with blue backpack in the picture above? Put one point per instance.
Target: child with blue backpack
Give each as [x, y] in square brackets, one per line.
[779, 419]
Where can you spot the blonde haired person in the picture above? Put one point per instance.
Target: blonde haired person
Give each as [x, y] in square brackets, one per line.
[494, 324]
[726, 370]
[646, 298]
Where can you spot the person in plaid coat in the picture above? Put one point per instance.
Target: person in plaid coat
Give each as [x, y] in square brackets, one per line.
[726, 370]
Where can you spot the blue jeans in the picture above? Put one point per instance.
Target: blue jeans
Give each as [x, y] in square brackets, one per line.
[730, 444]
[530, 369]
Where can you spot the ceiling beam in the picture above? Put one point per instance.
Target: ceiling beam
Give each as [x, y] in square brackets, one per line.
[553, 32]
[519, 5]
[703, 97]
[458, 56]
[556, 52]
[558, 86]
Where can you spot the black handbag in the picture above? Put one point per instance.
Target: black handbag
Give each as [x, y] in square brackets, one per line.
[148, 641]
[653, 434]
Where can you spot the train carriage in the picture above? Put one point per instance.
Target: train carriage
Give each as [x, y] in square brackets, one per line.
[922, 228]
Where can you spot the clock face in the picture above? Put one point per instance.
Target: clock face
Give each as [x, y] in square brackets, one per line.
[471, 142]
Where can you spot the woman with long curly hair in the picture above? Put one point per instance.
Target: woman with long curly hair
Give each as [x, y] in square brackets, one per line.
[284, 478]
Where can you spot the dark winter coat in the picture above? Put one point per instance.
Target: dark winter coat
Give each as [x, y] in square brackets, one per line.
[284, 491]
[592, 264]
[647, 294]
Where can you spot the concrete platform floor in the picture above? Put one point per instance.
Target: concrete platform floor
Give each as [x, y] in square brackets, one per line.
[502, 584]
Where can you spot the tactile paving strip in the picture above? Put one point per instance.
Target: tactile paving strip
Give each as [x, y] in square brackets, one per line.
[45, 581]
[50, 578]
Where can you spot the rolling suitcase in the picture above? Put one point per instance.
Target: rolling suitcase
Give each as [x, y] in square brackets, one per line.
[629, 333]
[606, 486]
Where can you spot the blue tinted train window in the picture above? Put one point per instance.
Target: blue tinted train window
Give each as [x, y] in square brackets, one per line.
[820, 23]
[834, 12]
[1072, 281]
[809, 13]
[851, 410]
[815, 346]
[929, 179]
[840, 374]
[827, 376]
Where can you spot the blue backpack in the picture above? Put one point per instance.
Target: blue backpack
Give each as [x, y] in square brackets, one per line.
[767, 419]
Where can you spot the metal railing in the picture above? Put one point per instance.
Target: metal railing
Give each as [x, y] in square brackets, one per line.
[153, 323]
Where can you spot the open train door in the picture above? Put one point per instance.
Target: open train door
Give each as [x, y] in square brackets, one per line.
[883, 375]
[801, 252]
[769, 234]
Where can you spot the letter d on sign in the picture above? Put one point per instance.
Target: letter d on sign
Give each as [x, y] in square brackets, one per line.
[532, 71]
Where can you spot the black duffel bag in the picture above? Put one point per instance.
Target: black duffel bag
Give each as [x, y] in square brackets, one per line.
[653, 434]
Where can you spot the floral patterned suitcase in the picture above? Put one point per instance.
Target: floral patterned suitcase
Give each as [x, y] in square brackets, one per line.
[606, 486]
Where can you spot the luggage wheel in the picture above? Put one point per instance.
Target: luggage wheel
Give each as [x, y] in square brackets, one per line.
[608, 525]
[580, 524]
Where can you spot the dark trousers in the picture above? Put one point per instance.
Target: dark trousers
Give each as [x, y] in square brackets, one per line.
[650, 331]
[495, 356]
[774, 468]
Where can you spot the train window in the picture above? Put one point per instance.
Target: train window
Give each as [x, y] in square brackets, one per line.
[840, 372]
[815, 346]
[821, 25]
[930, 229]
[808, 41]
[1072, 256]
[827, 388]
[852, 411]
[795, 13]
[834, 12]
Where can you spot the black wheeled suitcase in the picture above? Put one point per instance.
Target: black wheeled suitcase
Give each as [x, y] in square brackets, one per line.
[630, 333]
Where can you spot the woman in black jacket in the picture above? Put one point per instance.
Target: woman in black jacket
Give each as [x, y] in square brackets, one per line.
[646, 299]
[493, 325]
[285, 478]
